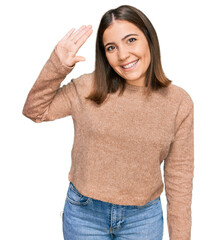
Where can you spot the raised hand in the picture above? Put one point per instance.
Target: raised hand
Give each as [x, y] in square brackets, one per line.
[69, 45]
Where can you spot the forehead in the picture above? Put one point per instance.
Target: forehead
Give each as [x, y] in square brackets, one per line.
[118, 29]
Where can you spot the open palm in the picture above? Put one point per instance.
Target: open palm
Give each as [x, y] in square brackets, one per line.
[69, 45]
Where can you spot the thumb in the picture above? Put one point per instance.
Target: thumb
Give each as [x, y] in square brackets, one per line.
[79, 58]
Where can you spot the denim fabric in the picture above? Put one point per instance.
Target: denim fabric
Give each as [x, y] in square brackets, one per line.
[85, 218]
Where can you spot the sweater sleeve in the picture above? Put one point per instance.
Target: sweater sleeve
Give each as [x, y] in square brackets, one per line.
[178, 173]
[46, 101]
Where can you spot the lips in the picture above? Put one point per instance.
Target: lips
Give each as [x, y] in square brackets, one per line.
[130, 64]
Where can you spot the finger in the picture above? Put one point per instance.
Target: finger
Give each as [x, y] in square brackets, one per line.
[81, 33]
[71, 36]
[83, 38]
[68, 34]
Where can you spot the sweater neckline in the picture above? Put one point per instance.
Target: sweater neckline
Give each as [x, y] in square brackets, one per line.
[135, 88]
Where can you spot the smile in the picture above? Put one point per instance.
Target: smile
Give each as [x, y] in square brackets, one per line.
[130, 65]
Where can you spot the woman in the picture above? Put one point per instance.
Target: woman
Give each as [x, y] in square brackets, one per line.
[128, 119]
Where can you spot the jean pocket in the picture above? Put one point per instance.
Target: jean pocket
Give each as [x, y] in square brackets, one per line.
[75, 197]
[149, 204]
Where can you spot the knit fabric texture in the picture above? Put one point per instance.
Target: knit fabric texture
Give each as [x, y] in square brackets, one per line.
[119, 147]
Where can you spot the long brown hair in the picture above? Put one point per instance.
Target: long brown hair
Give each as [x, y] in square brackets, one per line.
[106, 80]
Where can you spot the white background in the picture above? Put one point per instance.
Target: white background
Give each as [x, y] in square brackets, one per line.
[35, 158]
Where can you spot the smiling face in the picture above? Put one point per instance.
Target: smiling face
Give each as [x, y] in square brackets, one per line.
[127, 51]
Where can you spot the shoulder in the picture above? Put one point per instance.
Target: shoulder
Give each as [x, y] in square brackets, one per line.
[84, 82]
[83, 79]
[178, 94]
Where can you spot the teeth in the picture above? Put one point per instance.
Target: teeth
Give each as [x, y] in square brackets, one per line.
[130, 65]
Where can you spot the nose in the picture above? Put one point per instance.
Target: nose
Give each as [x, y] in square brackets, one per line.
[122, 53]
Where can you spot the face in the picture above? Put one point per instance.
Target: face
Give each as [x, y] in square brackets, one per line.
[127, 51]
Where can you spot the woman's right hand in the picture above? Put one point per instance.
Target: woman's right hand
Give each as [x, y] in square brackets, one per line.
[69, 45]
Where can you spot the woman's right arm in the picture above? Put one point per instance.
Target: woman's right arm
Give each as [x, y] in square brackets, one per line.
[46, 101]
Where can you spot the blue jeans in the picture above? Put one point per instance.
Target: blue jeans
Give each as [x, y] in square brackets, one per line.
[86, 218]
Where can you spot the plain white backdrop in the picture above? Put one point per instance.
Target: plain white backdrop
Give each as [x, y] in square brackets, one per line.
[35, 158]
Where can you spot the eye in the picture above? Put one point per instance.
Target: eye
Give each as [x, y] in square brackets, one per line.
[132, 40]
[110, 48]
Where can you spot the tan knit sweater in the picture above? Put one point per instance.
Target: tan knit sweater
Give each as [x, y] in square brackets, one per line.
[119, 146]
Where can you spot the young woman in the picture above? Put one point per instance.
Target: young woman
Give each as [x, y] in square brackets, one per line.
[128, 119]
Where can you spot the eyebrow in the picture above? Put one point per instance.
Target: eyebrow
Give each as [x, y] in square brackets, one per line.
[131, 34]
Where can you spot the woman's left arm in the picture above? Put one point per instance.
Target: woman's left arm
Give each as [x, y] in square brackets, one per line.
[179, 172]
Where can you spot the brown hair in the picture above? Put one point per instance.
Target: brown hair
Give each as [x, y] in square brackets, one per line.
[106, 80]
